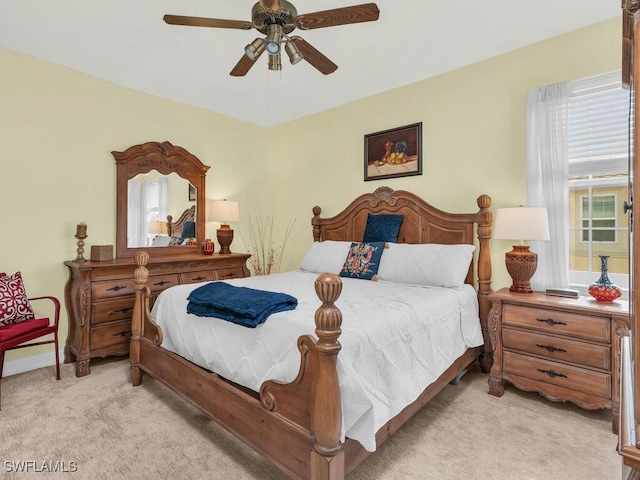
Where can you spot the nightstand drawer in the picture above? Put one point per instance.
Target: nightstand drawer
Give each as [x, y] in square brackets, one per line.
[558, 323]
[557, 348]
[574, 378]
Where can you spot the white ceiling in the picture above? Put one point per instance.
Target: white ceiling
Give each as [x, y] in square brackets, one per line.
[126, 42]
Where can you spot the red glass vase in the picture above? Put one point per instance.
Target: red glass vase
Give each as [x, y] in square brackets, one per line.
[604, 290]
[207, 247]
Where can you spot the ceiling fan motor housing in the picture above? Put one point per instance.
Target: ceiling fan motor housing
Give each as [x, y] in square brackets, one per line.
[286, 17]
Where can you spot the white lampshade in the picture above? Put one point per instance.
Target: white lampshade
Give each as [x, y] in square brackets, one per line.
[157, 227]
[224, 211]
[521, 223]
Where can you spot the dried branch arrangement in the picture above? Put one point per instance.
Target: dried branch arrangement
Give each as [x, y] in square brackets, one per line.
[266, 257]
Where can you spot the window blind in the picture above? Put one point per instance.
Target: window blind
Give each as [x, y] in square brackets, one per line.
[598, 126]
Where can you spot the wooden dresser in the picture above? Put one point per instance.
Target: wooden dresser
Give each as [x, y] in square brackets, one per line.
[99, 297]
[566, 349]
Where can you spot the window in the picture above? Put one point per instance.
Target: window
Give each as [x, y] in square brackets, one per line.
[598, 146]
[598, 218]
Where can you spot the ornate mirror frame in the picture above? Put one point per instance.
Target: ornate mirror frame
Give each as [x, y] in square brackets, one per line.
[166, 159]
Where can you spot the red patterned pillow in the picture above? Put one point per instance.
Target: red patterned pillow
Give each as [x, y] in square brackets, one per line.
[14, 305]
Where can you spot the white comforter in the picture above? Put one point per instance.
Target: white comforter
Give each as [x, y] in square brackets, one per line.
[396, 340]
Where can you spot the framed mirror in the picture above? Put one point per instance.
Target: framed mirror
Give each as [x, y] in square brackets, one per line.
[156, 181]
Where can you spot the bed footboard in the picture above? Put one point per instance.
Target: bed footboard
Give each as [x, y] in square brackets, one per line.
[296, 425]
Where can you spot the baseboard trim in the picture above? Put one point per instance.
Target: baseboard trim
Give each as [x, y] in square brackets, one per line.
[32, 362]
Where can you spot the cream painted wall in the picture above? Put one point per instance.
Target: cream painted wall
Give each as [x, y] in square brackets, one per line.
[474, 135]
[58, 128]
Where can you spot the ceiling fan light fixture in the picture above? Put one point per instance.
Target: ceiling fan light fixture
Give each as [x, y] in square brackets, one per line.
[294, 54]
[274, 62]
[254, 49]
[274, 38]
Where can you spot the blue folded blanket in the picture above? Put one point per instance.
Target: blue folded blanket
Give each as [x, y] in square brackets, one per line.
[241, 305]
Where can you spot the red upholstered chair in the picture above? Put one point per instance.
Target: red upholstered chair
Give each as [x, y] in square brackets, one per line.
[16, 335]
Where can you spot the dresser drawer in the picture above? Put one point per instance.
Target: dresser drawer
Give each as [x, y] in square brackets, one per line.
[229, 273]
[112, 310]
[567, 376]
[559, 323]
[196, 277]
[103, 336]
[113, 288]
[558, 348]
[162, 282]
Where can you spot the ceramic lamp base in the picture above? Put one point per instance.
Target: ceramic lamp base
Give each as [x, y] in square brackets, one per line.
[521, 265]
[225, 237]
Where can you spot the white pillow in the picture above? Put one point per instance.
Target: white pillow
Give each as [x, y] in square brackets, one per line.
[430, 264]
[161, 241]
[327, 256]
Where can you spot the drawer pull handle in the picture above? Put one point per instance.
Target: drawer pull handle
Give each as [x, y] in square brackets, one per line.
[229, 275]
[116, 288]
[199, 278]
[124, 333]
[550, 321]
[551, 349]
[161, 283]
[552, 374]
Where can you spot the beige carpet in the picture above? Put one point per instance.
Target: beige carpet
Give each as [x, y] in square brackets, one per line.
[111, 430]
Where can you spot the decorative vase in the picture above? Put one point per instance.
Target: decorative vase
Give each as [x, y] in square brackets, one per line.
[604, 290]
[207, 247]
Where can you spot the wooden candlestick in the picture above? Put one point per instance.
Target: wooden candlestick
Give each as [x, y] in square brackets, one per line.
[81, 234]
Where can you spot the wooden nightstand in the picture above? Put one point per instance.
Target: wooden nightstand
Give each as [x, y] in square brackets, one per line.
[566, 349]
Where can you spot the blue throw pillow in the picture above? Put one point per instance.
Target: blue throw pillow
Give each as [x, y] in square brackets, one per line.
[382, 228]
[363, 260]
[189, 230]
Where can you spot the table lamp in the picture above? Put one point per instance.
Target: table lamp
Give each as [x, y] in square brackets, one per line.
[522, 224]
[158, 228]
[224, 211]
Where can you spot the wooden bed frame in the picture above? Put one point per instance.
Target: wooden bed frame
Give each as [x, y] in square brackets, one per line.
[297, 425]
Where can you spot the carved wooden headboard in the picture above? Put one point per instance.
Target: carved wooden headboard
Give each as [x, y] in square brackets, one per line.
[175, 228]
[422, 223]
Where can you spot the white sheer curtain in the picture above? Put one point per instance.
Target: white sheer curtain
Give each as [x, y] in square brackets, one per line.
[136, 231]
[548, 180]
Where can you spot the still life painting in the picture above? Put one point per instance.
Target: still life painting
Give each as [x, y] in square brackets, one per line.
[393, 153]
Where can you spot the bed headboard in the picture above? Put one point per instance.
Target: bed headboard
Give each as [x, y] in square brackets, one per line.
[175, 228]
[422, 223]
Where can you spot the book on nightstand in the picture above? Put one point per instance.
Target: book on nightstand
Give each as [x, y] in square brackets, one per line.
[563, 292]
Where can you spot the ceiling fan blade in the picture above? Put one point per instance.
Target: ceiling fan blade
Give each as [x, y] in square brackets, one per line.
[367, 12]
[273, 5]
[243, 66]
[207, 22]
[314, 57]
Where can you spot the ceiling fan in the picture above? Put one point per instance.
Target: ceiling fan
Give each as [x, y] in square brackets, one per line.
[277, 19]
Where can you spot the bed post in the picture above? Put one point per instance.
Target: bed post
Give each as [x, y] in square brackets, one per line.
[140, 277]
[485, 220]
[327, 457]
[315, 222]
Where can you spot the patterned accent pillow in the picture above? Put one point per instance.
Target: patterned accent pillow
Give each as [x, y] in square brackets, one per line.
[363, 260]
[175, 241]
[14, 304]
[382, 228]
